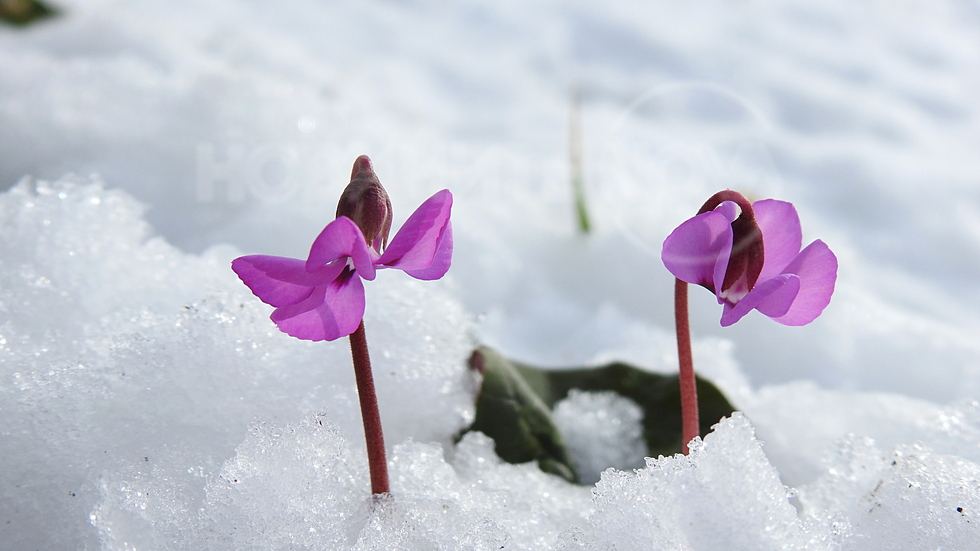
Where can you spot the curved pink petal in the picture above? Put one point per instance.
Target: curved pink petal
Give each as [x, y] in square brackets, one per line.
[441, 260]
[697, 251]
[332, 311]
[774, 294]
[782, 236]
[780, 300]
[342, 239]
[816, 266]
[417, 245]
[280, 281]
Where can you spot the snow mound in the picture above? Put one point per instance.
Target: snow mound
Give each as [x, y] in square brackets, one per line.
[724, 495]
[602, 429]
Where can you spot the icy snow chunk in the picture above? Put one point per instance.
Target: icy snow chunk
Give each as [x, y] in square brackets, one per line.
[74, 239]
[534, 507]
[80, 278]
[724, 495]
[431, 507]
[801, 422]
[906, 500]
[301, 486]
[476, 501]
[296, 486]
[417, 524]
[602, 430]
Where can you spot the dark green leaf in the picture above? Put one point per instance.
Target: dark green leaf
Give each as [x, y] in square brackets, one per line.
[514, 405]
[510, 412]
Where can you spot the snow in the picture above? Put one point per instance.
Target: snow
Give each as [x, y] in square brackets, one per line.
[674, 502]
[149, 403]
[602, 429]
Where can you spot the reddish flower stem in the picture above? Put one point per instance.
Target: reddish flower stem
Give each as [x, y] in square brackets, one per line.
[377, 464]
[689, 392]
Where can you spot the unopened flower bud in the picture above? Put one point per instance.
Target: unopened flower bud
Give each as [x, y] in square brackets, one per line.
[366, 202]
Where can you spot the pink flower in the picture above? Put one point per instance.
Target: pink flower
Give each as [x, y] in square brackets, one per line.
[322, 298]
[749, 256]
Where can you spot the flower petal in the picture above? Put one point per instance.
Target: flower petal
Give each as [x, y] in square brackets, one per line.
[816, 266]
[280, 281]
[423, 238]
[772, 295]
[442, 258]
[781, 234]
[780, 300]
[332, 311]
[697, 251]
[341, 239]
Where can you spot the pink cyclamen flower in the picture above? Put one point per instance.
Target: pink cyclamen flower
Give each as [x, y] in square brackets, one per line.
[749, 256]
[322, 298]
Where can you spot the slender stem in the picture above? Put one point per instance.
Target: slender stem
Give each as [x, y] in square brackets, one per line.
[689, 393]
[575, 163]
[377, 464]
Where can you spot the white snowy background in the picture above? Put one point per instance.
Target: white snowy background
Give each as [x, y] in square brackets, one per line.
[147, 402]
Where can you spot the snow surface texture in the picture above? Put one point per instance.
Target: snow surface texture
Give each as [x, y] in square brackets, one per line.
[148, 402]
[602, 429]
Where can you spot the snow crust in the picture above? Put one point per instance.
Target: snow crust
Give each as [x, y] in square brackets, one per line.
[147, 402]
[603, 430]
